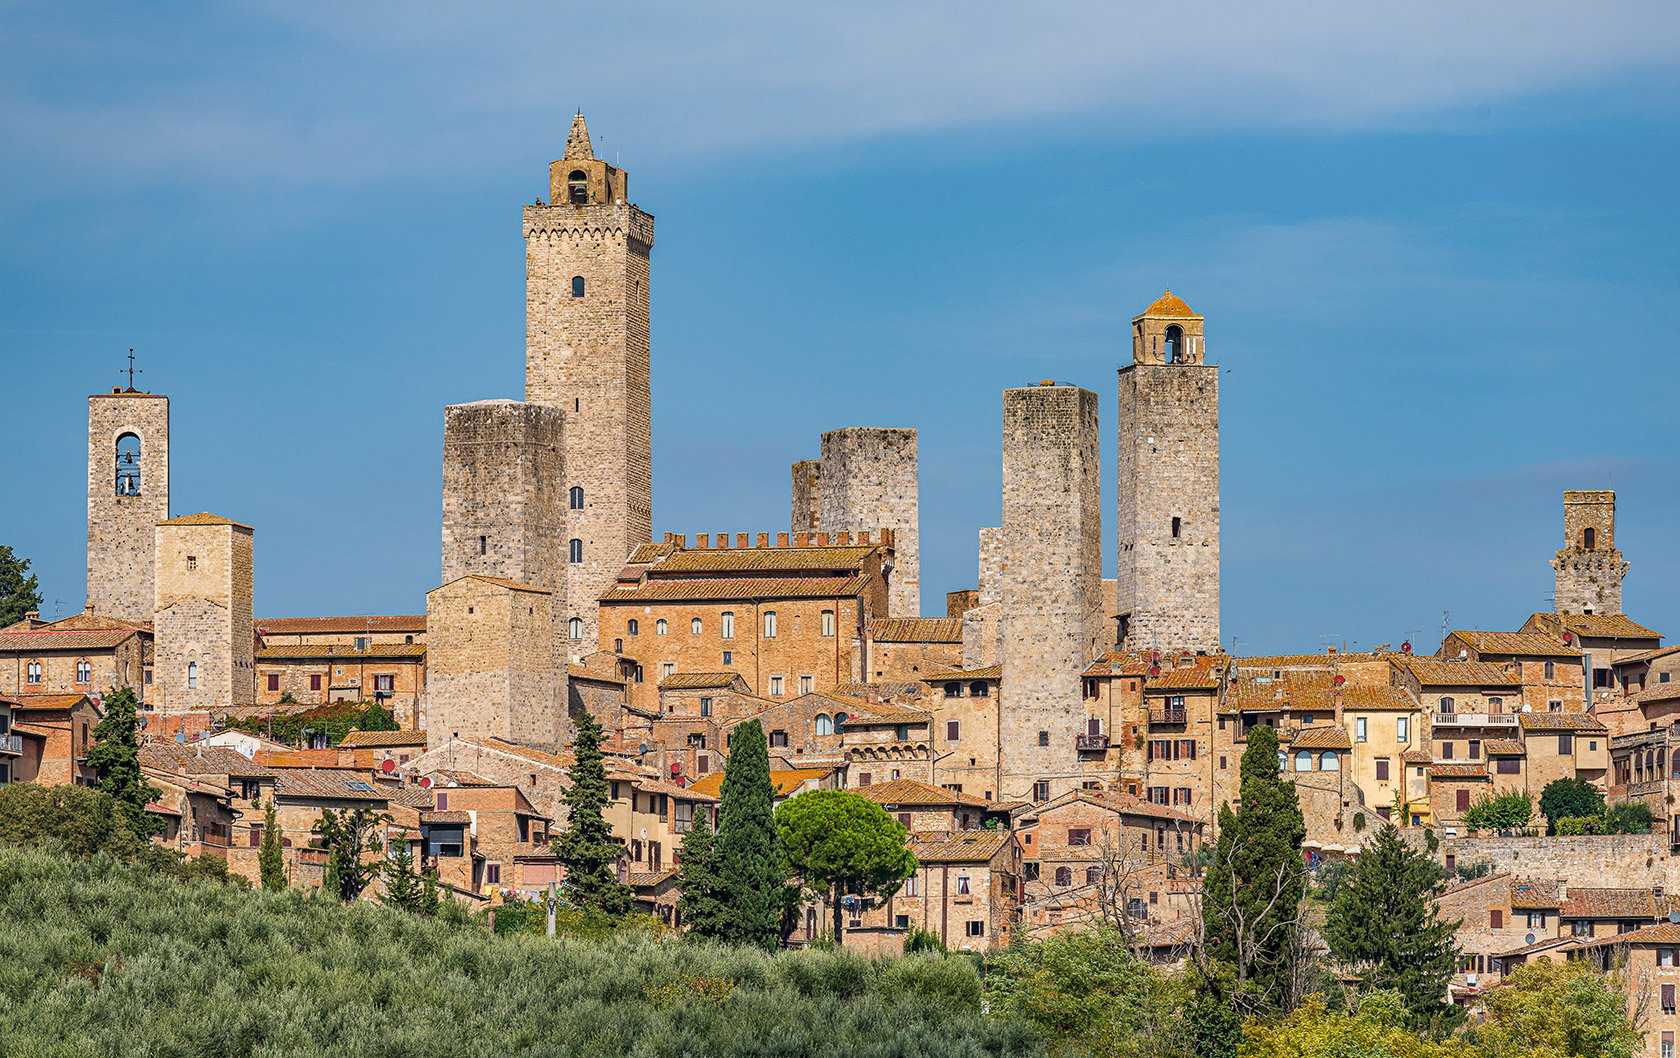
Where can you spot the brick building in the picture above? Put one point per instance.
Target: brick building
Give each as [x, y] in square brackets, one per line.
[85, 653]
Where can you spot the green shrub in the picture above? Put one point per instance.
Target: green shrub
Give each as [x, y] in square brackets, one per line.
[942, 980]
[1506, 811]
[1629, 818]
[917, 939]
[1575, 826]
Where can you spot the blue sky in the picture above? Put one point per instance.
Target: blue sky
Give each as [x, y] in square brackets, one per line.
[1435, 246]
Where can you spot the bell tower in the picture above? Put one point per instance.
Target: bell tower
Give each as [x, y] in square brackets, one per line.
[1167, 562]
[587, 352]
[1590, 568]
[128, 495]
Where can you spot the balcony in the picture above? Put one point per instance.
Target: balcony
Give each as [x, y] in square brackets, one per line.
[12, 744]
[1091, 743]
[1475, 720]
[1169, 714]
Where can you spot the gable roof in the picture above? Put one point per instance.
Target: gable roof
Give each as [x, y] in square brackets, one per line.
[916, 630]
[382, 738]
[339, 784]
[700, 681]
[964, 846]
[786, 782]
[204, 518]
[329, 650]
[988, 672]
[1560, 722]
[1529, 644]
[50, 638]
[1594, 625]
[327, 625]
[1436, 672]
[916, 792]
[201, 760]
[1332, 737]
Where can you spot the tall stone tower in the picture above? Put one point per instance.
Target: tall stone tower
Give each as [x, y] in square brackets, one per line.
[1168, 553]
[587, 353]
[203, 653]
[1051, 583]
[807, 499]
[867, 479]
[128, 494]
[1589, 568]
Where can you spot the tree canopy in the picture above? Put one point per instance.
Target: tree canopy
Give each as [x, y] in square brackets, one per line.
[1558, 1010]
[586, 848]
[1507, 811]
[20, 591]
[842, 844]
[1086, 992]
[752, 876]
[271, 854]
[115, 760]
[1570, 798]
[703, 904]
[348, 836]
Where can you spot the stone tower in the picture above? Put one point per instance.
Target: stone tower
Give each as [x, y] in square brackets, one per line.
[1052, 623]
[807, 500]
[203, 651]
[587, 353]
[504, 524]
[1167, 560]
[128, 495]
[867, 480]
[1589, 568]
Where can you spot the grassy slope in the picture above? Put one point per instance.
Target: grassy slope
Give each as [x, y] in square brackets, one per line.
[208, 970]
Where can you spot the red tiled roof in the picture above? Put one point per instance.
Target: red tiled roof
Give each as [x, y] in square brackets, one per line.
[786, 782]
[1560, 722]
[989, 672]
[738, 588]
[1517, 644]
[328, 650]
[964, 846]
[1322, 738]
[915, 792]
[1119, 663]
[699, 681]
[1612, 903]
[26, 702]
[357, 739]
[51, 639]
[329, 625]
[1434, 672]
[916, 630]
[200, 760]
[204, 518]
[1536, 895]
[1603, 625]
[1458, 771]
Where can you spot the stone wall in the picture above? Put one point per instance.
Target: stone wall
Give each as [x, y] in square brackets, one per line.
[120, 527]
[991, 565]
[203, 616]
[1624, 861]
[589, 355]
[806, 515]
[1052, 582]
[1168, 512]
[868, 480]
[1589, 579]
[490, 664]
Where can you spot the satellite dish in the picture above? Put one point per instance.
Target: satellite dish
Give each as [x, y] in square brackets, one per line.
[387, 765]
[1529, 939]
[1674, 917]
[425, 782]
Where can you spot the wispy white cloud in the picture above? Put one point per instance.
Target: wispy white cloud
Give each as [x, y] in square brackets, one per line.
[314, 92]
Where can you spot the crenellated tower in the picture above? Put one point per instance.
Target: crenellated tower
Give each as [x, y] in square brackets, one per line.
[1589, 568]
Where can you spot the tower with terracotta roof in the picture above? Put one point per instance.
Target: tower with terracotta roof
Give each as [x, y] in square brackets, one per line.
[203, 654]
[128, 494]
[1168, 506]
[1589, 568]
[587, 353]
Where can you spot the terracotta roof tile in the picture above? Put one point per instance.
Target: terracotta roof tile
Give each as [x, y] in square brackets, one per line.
[699, 681]
[1519, 644]
[201, 760]
[1434, 672]
[915, 792]
[1611, 903]
[1603, 626]
[334, 784]
[1536, 895]
[382, 738]
[1377, 698]
[445, 817]
[1170, 304]
[407, 623]
[1119, 663]
[786, 782]
[1458, 771]
[1295, 661]
[51, 639]
[738, 588]
[1332, 737]
[1504, 747]
[964, 846]
[26, 702]
[916, 630]
[989, 672]
[1560, 722]
[312, 650]
[1663, 933]
[646, 879]
[1417, 756]
[204, 518]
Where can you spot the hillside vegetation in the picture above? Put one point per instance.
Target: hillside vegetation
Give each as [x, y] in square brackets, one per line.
[101, 958]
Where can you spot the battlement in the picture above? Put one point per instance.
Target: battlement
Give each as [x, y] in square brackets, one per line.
[747, 541]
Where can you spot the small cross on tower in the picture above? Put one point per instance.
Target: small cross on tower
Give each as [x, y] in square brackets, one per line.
[132, 370]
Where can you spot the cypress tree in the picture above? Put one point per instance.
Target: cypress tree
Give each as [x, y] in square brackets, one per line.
[271, 858]
[705, 911]
[20, 591]
[1384, 924]
[750, 873]
[1252, 895]
[115, 760]
[586, 848]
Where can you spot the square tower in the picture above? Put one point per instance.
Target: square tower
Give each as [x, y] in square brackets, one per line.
[587, 353]
[1167, 559]
[203, 650]
[1051, 573]
[807, 499]
[1589, 568]
[490, 663]
[128, 495]
[867, 480]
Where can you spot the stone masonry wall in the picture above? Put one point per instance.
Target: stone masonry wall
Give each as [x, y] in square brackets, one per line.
[590, 357]
[203, 616]
[868, 480]
[1052, 582]
[1625, 861]
[991, 565]
[490, 664]
[1589, 580]
[1169, 469]
[807, 502]
[120, 528]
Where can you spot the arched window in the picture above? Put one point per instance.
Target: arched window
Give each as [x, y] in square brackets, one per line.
[32, 672]
[1447, 705]
[84, 672]
[574, 551]
[192, 675]
[660, 627]
[128, 465]
[1330, 761]
[825, 724]
[696, 626]
[1496, 704]
[953, 690]
[978, 689]
[574, 628]
[634, 627]
[1589, 537]
[839, 722]
[1303, 760]
[769, 624]
[577, 187]
[575, 497]
[728, 619]
[1175, 344]
[577, 286]
[1064, 875]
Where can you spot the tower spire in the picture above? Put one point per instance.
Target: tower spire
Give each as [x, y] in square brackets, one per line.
[577, 142]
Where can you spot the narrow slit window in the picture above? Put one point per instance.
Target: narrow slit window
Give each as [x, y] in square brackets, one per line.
[577, 286]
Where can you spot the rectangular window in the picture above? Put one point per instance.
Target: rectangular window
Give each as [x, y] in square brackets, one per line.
[828, 622]
[385, 682]
[729, 657]
[1382, 770]
[1359, 732]
[769, 624]
[315, 681]
[778, 739]
[493, 873]
[977, 927]
[1566, 744]
[866, 779]
[1665, 956]
[953, 731]
[1668, 999]
[1475, 749]
[1446, 751]
[666, 668]
[1159, 794]
[363, 642]
[807, 684]
[1667, 1045]
[1181, 795]
[1402, 729]
[1079, 836]
[1508, 766]
[1461, 799]
[705, 707]
[1041, 791]
[962, 885]
[274, 681]
[1496, 919]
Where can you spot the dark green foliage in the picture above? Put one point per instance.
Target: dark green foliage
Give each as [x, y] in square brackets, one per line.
[1210, 1027]
[586, 848]
[1383, 925]
[407, 889]
[842, 844]
[1328, 880]
[1253, 892]
[115, 760]
[81, 821]
[271, 856]
[751, 873]
[1570, 797]
[20, 592]
[209, 971]
[1631, 817]
[378, 718]
[704, 908]
[348, 836]
[917, 939]
[1506, 811]
[334, 720]
[1086, 992]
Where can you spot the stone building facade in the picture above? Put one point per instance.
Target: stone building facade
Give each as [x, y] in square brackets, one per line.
[128, 494]
[867, 480]
[490, 663]
[587, 352]
[203, 650]
[1168, 519]
[1589, 568]
[1052, 584]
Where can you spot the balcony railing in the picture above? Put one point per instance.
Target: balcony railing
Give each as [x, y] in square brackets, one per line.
[1475, 720]
[11, 744]
[1090, 743]
[1169, 715]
